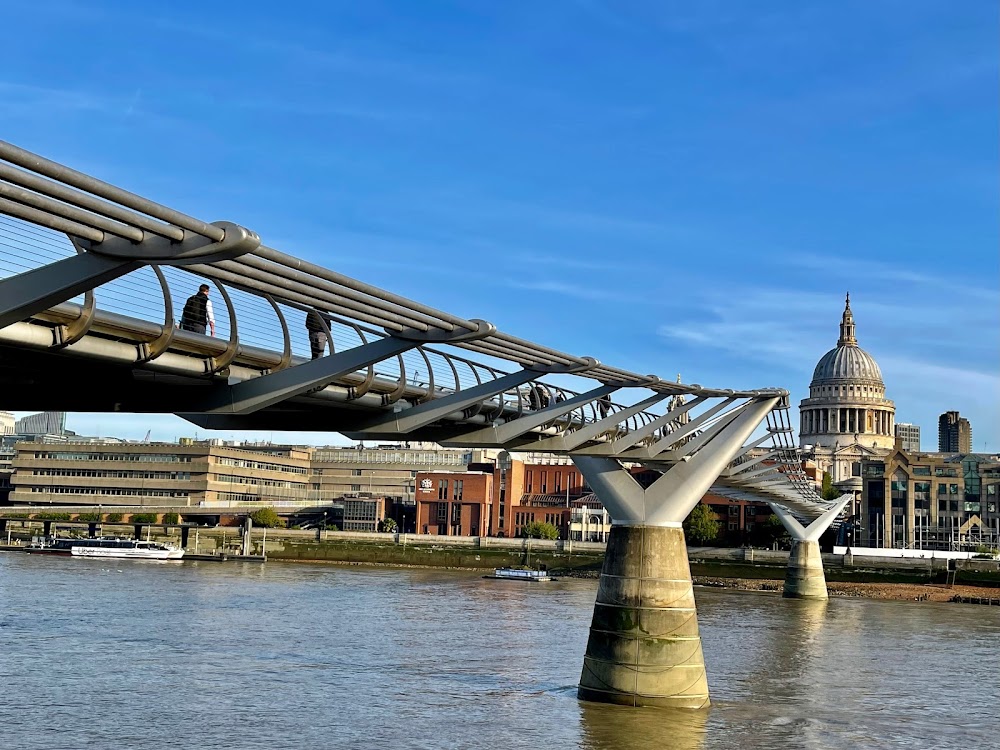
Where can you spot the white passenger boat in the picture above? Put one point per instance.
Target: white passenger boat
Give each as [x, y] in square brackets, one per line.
[514, 574]
[111, 547]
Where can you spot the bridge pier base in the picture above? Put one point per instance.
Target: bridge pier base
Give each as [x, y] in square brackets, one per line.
[804, 578]
[644, 647]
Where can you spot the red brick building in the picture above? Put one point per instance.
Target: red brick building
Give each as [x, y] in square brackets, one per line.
[454, 503]
[737, 518]
[525, 493]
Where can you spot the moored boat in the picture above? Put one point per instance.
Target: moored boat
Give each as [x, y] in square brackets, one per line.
[102, 547]
[514, 574]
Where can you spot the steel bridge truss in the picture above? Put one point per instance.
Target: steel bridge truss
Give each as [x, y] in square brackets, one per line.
[394, 369]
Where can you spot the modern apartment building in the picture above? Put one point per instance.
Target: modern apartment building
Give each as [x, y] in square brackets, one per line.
[908, 436]
[954, 433]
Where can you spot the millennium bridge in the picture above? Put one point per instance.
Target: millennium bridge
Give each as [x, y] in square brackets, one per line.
[92, 279]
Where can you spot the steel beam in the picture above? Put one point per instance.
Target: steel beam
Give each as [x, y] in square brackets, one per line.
[628, 441]
[249, 396]
[407, 420]
[33, 291]
[503, 434]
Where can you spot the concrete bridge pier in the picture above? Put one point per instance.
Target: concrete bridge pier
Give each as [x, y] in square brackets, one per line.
[644, 647]
[804, 578]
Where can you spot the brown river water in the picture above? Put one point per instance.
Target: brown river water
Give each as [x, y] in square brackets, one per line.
[99, 654]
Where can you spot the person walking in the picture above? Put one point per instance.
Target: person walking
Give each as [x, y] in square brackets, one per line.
[318, 332]
[198, 312]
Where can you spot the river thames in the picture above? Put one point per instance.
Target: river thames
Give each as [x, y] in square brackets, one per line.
[208, 655]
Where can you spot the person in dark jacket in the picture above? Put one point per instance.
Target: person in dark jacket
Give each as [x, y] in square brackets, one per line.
[198, 312]
[317, 332]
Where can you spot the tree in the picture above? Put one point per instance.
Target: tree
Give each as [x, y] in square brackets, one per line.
[171, 518]
[144, 517]
[767, 533]
[266, 518]
[700, 526]
[539, 530]
[829, 492]
[52, 516]
[388, 526]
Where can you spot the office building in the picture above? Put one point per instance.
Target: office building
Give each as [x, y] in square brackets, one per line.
[45, 423]
[454, 503]
[385, 471]
[930, 501]
[7, 423]
[954, 433]
[160, 474]
[362, 513]
[908, 436]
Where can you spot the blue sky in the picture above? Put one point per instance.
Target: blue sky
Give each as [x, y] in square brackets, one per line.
[667, 186]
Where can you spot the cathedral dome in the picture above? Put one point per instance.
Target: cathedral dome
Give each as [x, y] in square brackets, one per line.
[847, 415]
[848, 362]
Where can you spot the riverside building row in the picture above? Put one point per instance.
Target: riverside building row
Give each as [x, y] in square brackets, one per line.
[906, 499]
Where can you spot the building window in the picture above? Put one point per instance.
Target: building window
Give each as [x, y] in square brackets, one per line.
[355, 488]
[442, 511]
[355, 472]
[456, 514]
[457, 489]
[558, 481]
[442, 489]
[734, 510]
[544, 483]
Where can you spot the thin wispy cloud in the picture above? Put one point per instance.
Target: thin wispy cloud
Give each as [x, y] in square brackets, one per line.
[846, 267]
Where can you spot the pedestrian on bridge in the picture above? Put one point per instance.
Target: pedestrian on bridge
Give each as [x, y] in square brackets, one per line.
[318, 327]
[198, 312]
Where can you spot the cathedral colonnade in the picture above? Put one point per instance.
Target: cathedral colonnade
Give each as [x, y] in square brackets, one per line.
[847, 420]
